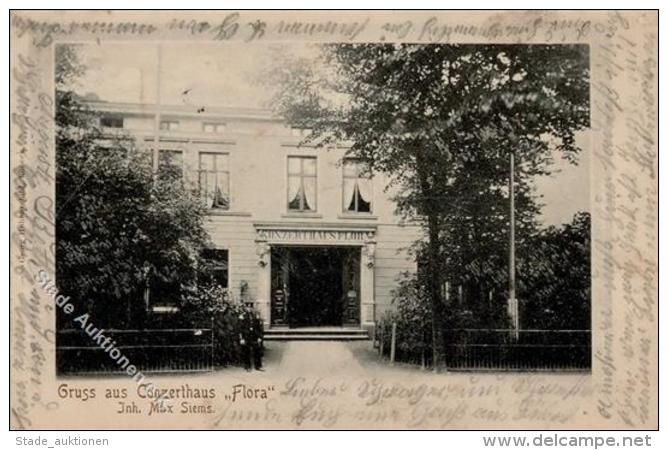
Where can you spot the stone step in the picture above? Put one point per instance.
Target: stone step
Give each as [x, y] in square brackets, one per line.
[315, 334]
[316, 337]
[315, 330]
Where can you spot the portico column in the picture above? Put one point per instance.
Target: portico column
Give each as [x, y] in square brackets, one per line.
[367, 265]
[263, 251]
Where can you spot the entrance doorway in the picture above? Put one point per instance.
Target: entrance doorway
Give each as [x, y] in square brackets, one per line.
[315, 286]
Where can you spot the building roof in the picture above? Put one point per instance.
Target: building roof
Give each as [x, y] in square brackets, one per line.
[190, 111]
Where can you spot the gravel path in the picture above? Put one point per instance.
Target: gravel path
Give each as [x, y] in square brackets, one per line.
[317, 357]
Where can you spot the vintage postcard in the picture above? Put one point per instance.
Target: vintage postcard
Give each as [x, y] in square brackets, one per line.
[334, 220]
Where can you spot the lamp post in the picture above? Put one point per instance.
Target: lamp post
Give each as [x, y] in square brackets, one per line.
[513, 310]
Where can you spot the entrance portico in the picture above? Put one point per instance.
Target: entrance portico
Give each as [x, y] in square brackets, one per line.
[349, 302]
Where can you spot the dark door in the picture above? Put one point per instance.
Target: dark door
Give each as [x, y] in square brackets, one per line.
[315, 286]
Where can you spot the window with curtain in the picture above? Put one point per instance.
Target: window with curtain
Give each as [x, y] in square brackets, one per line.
[169, 125]
[213, 127]
[170, 164]
[302, 182]
[214, 180]
[357, 188]
[300, 132]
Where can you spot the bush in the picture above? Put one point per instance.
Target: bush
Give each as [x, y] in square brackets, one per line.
[556, 278]
[231, 320]
[413, 319]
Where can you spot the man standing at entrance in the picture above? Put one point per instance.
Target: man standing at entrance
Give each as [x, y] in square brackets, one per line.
[250, 339]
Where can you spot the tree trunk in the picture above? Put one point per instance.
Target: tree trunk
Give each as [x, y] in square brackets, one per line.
[434, 289]
[431, 211]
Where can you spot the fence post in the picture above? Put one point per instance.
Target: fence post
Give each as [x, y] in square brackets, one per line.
[212, 344]
[423, 362]
[375, 335]
[393, 343]
[380, 343]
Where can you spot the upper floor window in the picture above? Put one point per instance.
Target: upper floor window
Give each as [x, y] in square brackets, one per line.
[357, 187]
[169, 125]
[300, 132]
[212, 127]
[302, 181]
[170, 163]
[214, 180]
[111, 121]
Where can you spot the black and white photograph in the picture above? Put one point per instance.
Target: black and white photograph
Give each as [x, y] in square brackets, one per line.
[339, 233]
[356, 203]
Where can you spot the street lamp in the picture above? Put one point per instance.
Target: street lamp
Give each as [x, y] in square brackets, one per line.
[513, 310]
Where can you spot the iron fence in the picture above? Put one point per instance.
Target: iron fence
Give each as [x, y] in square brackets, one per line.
[491, 349]
[531, 350]
[150, 350]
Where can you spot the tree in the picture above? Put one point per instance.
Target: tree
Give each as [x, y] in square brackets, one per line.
[557, 273]
[441, 122]
[118, 228]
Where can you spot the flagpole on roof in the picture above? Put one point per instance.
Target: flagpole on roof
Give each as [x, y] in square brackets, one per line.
[158, 106]
[154, 163]
[513, 310]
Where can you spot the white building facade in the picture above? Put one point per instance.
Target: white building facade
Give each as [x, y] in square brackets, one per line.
[308, 236]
